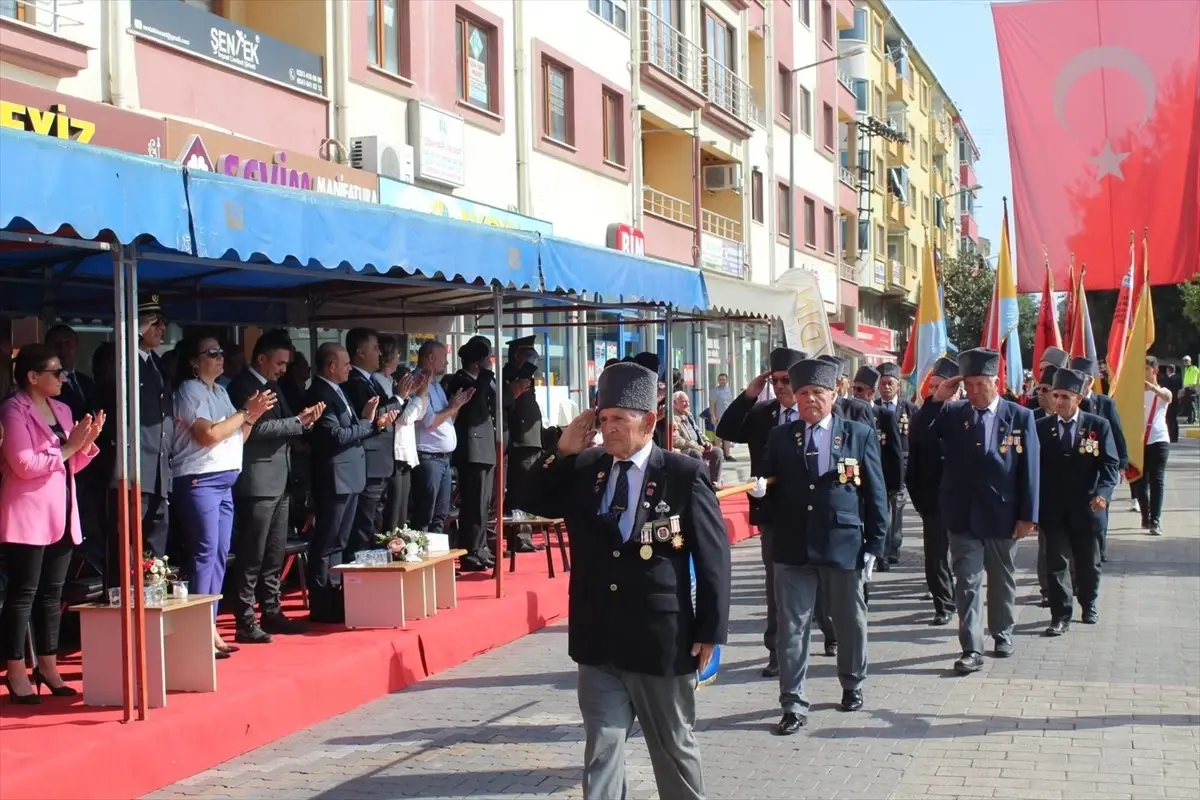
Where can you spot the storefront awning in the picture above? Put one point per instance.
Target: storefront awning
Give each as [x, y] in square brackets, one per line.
[236, 219]
[617, 277]
[742, 298]
[50, 184]
[847, 342]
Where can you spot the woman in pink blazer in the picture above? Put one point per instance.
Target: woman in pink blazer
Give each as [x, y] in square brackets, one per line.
[39, 522]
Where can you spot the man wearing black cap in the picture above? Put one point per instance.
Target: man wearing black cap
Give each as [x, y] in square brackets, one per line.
[890, 453]
[522, 426]
[1043, 392]
[1051, 357]
[853, 407]
[988, 497]
[750, 422]
[475, 455]
[829, 508]
[1102, 406]
[638, 515]
[923, 478]
[901, 410]
[1079, 472]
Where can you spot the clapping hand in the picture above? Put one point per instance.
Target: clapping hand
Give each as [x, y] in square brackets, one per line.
[84, 433]
[404, 386]
[578, 435]
[521, 387]
[309, 416]
[421, 384]
[97, 427]
[386, 418]
[461, 398]
[370, 408]
[258, 404]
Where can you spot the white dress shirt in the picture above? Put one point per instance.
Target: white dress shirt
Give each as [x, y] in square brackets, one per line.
[989, 422]
[636, 477]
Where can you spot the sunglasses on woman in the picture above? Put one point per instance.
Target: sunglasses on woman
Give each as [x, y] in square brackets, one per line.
[55, 373]
[213, 352]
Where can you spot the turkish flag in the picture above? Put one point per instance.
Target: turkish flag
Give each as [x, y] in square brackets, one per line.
[1103, 108]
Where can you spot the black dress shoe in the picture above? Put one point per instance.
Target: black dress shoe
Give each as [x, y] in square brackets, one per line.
[472, 565]
[1103, 559]
[279, 624]
[1058, 627]
[221, 655]
[831, 649]
[771, 670]
[852, 700]
[790, 724]
[255, 635]
[1003, 648]
[941, 618]
[882, 566]
[970, 662]
[523, 547]
[1090, 616]
[893, 559]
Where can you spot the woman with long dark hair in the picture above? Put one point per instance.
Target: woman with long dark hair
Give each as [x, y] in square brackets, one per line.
[43, 450]
[206, 458]
[1150, 487]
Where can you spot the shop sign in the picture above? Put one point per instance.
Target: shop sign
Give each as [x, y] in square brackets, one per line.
[438, 148]
[399, 194]
[879, 338]
[880, 273]
[204, 149]
[718, 254]
[183, 26]
[714, 352]
[30, 108]
[625, 238]
[897, 273]
[688, 373]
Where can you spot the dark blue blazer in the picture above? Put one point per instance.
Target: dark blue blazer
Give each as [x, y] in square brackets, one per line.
[1070, 478]
[892, 448]
[983, 495]
[339, 464]
[818, 519]
[1103, 406]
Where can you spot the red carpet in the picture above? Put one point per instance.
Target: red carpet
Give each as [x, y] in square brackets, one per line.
[736, 511]
[63, 749]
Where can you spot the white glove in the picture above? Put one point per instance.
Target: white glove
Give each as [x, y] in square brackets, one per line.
[868, 567]
[760, 488]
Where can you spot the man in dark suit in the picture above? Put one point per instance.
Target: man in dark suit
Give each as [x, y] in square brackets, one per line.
[78, 390]
[1079, 472]
[1102, 406]
[923, 479]
[901, 410]
[475, 454]
[1051, 357]
[988, 497]
[829, 508]
[887, 426]
[1044, 407]
[523, 427]
[263, 499]
[638, 516]
[750, 422]
[852, 408]
[379, 448]
[339, 472]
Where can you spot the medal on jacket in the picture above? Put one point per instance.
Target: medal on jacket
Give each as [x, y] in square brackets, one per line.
[1016, 437]
[646, 552]
[662, 508]
[904, 424]
[1004, 443]
[549, 460]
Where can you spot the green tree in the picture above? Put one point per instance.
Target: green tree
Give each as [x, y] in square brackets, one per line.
[1190, 293]
[968, 282]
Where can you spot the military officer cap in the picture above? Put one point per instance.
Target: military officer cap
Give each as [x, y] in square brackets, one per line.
[945, 367]
[1056, 356]
[647, 361]
[867, 376]
[475, 350]
[1048, 375]
[149, 306]
[889, 370]
[782, 358]
[1085, 365]
[813, 372]
[979, 363]
[627, 385]
[525, 341]
[1070, 380]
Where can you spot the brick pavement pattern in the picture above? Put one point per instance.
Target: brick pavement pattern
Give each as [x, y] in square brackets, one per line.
[1108, 711]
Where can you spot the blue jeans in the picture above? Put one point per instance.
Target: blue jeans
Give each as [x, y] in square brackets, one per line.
[204, 505]
[431, 492]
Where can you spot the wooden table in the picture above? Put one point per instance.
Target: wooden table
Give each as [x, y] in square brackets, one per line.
[388, 595]
[546, 525]
[179, 649]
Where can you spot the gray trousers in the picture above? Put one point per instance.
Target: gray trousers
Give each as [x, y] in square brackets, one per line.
[796, 592]
[610, 700]
[766, 538]
[895, 532]
[971, 558]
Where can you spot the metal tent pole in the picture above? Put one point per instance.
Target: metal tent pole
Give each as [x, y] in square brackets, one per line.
[498, 321]
[121, 467]
[132, 369]
[668, 404]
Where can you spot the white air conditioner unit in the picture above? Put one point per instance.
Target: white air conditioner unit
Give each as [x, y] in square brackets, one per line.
[377, 154]
[718, 177]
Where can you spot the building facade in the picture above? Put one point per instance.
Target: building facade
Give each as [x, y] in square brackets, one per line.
[739, 136]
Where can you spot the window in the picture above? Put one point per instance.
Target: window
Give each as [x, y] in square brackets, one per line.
[877, 102]
[879, 173]
[829, 232]
[785, 92]
[924, 152]
[473, 47]
[861, 93]
[877, 36]
[756, 195]
[827, 129]
[614, 128]
[810, 222]
[912, 255]
[962, 151]
[804, 11]
[939, 212]
[556, 103]
[783, 210]
[827, 21]
[924, 208]
[898, 183]
[614, 12]
[880, 240]
[924, 96]
[805, 101]
[864, 236]
[387, 32]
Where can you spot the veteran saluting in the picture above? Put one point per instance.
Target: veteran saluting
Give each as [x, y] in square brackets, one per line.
[829, 509]
[637, 515]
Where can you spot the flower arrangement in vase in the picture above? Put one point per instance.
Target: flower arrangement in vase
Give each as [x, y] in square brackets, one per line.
[155, 571]
[404, 543]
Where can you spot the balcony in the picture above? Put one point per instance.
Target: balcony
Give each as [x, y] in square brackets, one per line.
[848, 188]
[670, 231]
[896, 275]
[897, 214]
[966, 173]
[941, 131]
[40, 37]
[670, 59]
[847, 100]
[728, 95]
[848, 272]
[969, 227]
[897, 92]
[899, 153]
[664, 206]
[758, 114]
[717, 225]
[845, 15]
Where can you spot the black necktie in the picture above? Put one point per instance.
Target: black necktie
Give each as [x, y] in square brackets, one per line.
[620, 498]
[1064, 434]
[812, 455]
[981, 428]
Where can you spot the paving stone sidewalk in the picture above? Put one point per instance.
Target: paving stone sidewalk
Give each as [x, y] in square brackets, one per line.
[1109, 711]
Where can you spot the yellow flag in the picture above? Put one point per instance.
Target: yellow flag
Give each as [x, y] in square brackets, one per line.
[1128, 393]
[1146, 284]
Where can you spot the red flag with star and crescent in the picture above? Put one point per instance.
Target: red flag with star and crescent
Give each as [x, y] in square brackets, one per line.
[1103, 105]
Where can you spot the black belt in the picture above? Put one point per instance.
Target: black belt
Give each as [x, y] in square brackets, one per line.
[422, 454]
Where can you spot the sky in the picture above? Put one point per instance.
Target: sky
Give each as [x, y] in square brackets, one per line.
[957, 40]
